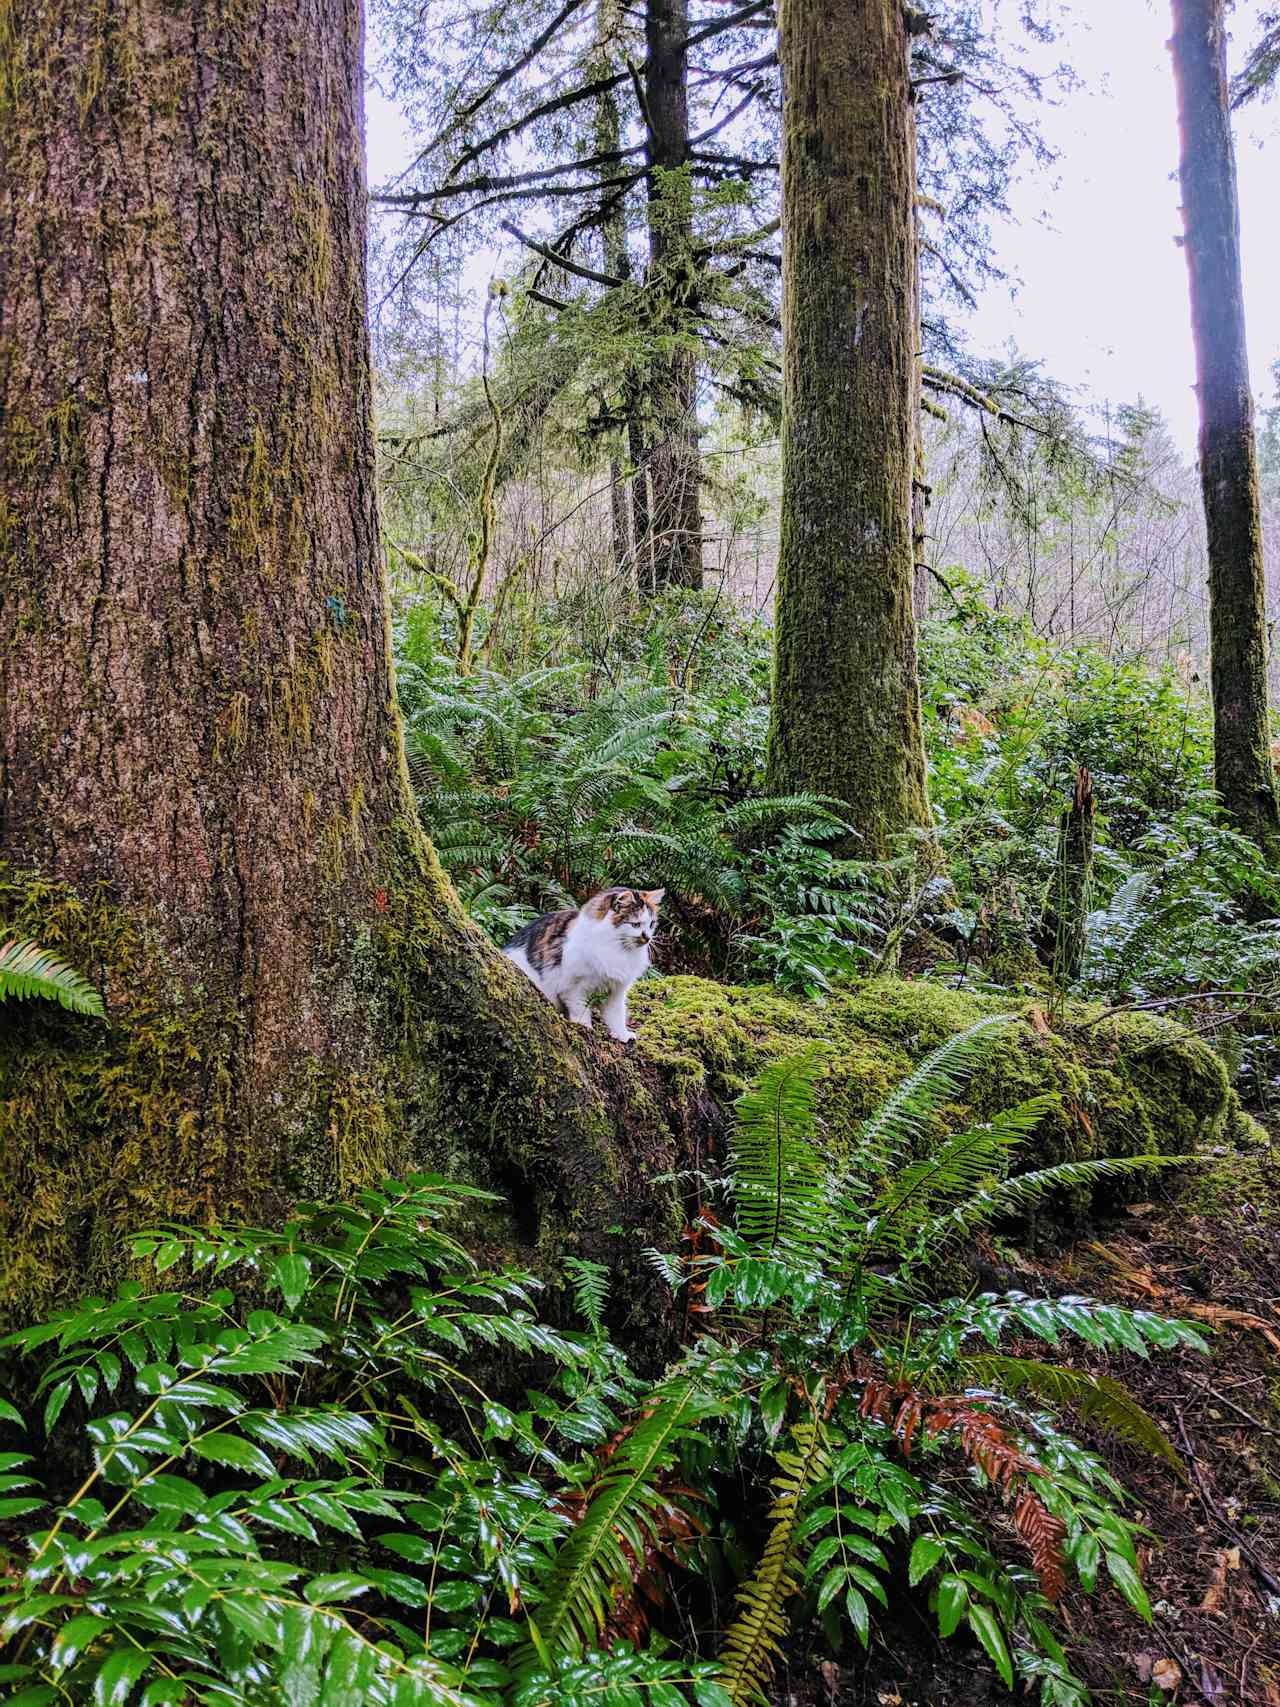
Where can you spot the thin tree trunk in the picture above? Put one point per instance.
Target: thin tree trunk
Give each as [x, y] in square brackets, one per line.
[920, 491]
[203, 798]
[620, 515]
[1075, 882]
[674, 461]
[919, 536]
[846, 710]
[1228, 456]
[638, 453]
[617, 260]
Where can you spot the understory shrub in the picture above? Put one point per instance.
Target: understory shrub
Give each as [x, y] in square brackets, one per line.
[639, 758]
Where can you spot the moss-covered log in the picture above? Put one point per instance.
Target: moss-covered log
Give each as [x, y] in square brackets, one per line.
[1126, 1084]
[846, 711]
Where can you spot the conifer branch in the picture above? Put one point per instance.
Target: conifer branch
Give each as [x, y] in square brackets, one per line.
[577, 268]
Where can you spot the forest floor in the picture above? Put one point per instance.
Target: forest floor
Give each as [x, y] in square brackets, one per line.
[1207, 1249]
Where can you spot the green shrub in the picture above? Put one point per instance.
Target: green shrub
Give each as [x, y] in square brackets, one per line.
[282, 1476]
[293, 1486]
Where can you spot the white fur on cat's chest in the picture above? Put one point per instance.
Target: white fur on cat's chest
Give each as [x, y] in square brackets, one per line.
[595, 948]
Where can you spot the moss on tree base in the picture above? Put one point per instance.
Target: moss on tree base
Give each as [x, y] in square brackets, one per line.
[450, 1063]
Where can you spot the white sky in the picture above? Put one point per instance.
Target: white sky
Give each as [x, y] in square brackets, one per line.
[1102, 291]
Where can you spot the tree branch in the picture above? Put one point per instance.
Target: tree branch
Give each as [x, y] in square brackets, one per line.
[558, 260]
[535, 48]
[488, 182]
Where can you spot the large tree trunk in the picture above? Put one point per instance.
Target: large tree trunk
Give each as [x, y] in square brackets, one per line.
[674, 460]
[202, 790]
[1228, 456]
[846, 713]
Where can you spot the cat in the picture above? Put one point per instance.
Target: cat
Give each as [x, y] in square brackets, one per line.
[604, 945]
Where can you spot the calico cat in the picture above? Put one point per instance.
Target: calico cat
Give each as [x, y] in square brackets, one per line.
[603, 946]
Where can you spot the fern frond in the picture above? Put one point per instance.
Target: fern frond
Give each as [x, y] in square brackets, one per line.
[633, 738]
[691, 862]
[899, 1121]
[590, 1281]
[779, 1180]
[959, 1168]
[28, 970]
[598, 1556]
[753, 1642]
[1021, 1191]
[1100, 1399]
[433, 760]
[759, 810]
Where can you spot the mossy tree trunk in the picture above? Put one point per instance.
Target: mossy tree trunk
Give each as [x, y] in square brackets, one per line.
[1228, 453]
[846, 712]
[203, 799]
[675, 517]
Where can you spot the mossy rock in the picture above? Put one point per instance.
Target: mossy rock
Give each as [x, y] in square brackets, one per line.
[1126, 1085]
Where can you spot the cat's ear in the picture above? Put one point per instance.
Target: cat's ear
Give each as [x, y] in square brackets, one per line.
[653, 896]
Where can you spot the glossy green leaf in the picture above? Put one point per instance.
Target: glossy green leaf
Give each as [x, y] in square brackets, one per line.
[953, 1600]
[338, 1585]
[114, 1683]
[75, 1636]
[235, 1450]
[925, 1554]
[291, 1274]
[1129, 1583]
[986, 1627]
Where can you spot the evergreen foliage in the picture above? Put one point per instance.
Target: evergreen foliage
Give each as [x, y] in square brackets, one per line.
[836, 1257]
[536, 800]
[542, 785]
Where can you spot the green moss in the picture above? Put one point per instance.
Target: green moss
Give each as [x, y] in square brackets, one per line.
[1242, 1169]
[104, 1126]
[251, 506]
[1131, 1085]
[461, 1069]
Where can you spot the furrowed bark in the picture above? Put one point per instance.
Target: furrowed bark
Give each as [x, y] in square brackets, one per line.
[203, 799]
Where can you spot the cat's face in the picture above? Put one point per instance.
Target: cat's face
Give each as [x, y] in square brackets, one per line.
[633, 913]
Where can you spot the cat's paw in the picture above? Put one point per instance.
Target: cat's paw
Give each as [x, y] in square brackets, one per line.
[583, 1019]
[622, 1036]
